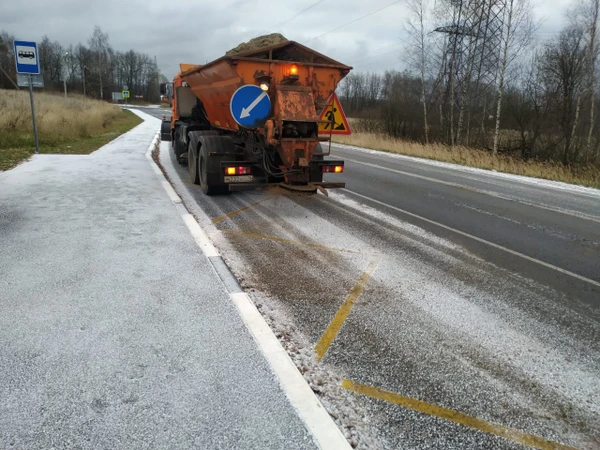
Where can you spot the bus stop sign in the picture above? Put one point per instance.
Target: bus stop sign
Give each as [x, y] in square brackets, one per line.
[26, 57]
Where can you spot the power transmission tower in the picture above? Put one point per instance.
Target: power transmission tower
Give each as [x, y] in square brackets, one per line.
[472, 56]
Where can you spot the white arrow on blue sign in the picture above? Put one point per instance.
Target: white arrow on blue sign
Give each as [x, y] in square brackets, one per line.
[250, 106]
[26, 57]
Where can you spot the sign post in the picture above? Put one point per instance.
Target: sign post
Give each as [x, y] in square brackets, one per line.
[37, 143]
[125, 93]
[26, 59]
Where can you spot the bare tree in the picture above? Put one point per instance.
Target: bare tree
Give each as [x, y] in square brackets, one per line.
[527, 106]
[563, 66]
[51, 60]
[590, 12]
[518, 34]
[464, 97]
[373, 89]
[100, 47]
[416, 28]
[457, 19]
[72, 64]
[7, 57]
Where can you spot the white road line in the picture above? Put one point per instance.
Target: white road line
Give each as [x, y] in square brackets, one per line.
[198, 233]
[200, 236]
[478, 239]
[310, 409]
[317, 420]
[479, 191]
[170, 191]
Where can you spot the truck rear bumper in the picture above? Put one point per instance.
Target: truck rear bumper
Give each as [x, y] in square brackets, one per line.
[310, 187]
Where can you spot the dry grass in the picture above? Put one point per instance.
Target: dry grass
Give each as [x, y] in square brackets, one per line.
[72, 125]
[585, 175]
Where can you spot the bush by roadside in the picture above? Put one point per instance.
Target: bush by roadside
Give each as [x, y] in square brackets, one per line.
[585, 175]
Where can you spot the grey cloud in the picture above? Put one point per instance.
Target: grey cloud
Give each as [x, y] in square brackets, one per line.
[196, 31]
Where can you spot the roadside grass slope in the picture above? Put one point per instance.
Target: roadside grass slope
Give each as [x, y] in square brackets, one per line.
[72, 125]
[585, 175]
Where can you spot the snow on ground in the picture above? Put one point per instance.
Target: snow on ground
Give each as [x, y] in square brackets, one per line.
[341, 404]
[456, 312]
[490, 173]
[409, 228]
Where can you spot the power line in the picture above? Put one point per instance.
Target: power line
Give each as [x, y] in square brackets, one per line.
[373, 61]
[354, 21]
[370, 55]
[298, 14]
[364, 55]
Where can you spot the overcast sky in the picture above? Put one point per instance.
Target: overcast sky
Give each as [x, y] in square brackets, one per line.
[196, 31]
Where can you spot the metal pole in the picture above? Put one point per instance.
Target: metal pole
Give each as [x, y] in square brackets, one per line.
[84, 80]
[62, 70]
[35, 133]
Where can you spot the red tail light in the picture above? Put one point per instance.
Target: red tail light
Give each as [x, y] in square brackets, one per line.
[332, 169]
[238, 170]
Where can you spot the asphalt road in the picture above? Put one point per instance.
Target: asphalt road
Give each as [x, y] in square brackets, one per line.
[156, 111]
[464, 290]
[556, 225]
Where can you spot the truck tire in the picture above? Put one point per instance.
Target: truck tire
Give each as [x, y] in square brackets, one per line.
[193, 162]
[179, 149]
[209, 167]
[165, 130]
[208, 189]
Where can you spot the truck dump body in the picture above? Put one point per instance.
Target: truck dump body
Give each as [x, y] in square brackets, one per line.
[215, 83]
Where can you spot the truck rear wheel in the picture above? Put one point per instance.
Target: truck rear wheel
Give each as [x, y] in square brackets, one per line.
[165, 130]
[193, 164]
[205, 185]
[178, 145]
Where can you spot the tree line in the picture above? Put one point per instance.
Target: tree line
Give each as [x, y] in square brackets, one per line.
[95, 70]
[478, 77]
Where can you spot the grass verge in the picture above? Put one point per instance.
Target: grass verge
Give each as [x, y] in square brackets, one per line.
[76, 125]
[582, 175]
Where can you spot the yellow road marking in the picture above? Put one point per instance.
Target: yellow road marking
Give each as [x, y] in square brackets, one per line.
[286, 241]
[336, 324]
[245, 208]
[455, 416]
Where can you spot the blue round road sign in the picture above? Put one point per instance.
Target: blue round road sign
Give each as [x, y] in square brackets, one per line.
[250, 106]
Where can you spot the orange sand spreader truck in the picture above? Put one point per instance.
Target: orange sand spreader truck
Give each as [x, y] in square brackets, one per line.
[252, 119]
